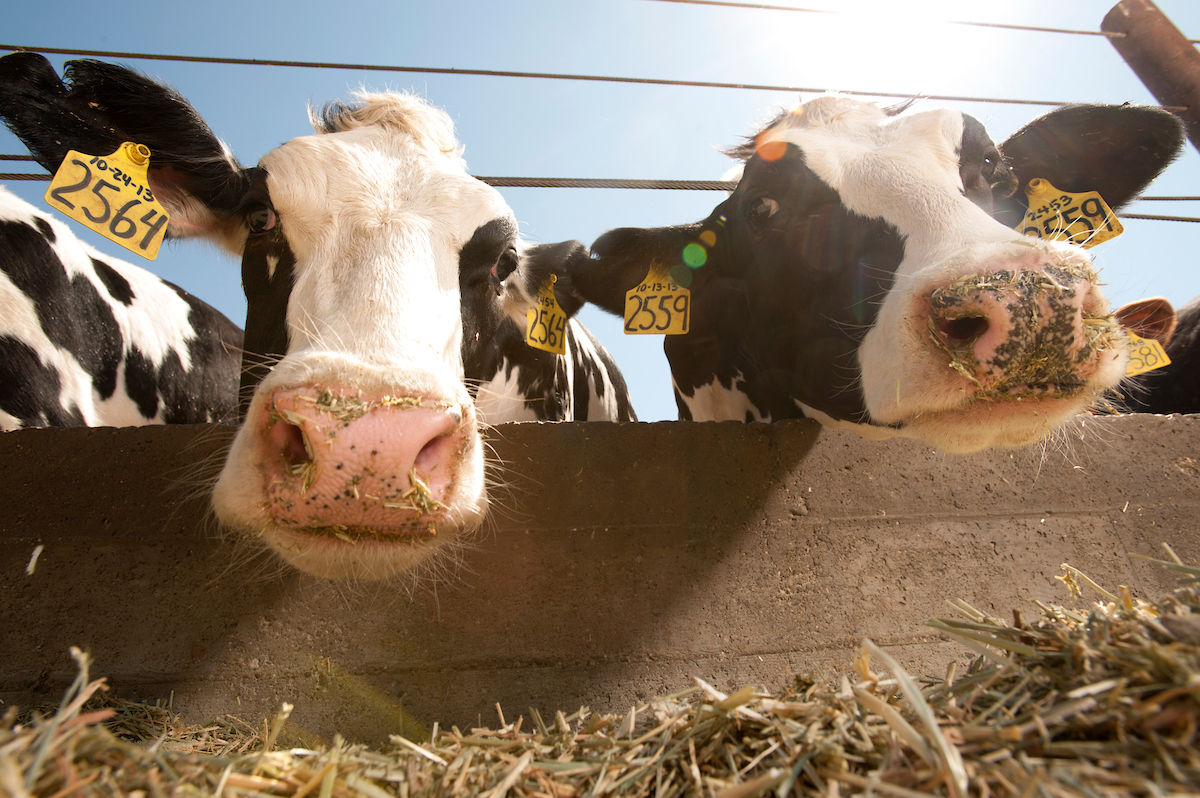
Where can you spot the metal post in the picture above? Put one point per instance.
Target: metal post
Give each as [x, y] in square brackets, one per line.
[1164, 59]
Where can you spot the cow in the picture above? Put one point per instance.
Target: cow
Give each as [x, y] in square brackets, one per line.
[90, 340]
[387, 292]
[1174, 388]
[865, 272]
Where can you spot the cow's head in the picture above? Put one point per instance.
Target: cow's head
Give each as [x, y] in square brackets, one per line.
[377, 272]
[865, 271]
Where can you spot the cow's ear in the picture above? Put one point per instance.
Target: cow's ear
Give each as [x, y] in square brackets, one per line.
[1149, 318]
[621, 259]
[97, 106]
[1116, 150]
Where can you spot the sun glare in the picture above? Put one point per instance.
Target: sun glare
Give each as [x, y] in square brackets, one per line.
[873, 44]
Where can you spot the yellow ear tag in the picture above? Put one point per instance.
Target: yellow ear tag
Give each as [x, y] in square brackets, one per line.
[1145, 354]
[111, 195]
[1083, 219]
[658, 306]
[545, 322]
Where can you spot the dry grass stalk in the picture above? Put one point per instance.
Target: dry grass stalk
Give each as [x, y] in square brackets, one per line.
[1099, 702]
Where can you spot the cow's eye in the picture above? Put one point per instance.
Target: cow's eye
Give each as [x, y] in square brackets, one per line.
[991, 161]
[260, 218]
[761, 210]
[506, 265]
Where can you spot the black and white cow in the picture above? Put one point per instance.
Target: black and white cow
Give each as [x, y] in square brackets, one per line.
[389, 286]
[89, 340]
[865, 272]
[1174, 388]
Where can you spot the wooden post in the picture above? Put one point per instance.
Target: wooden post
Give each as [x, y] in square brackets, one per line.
[1164, 59]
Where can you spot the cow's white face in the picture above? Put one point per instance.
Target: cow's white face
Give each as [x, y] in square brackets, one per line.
[375, 217]
[905, 171]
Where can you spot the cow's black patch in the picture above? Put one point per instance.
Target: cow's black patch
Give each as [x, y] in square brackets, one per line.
[45, 229]
[268, 290]
[71, 313]
[140, 382]
[31, 391]
[118, 287]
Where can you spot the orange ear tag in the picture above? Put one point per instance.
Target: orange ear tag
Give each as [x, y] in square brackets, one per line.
[545, 322]
[1083, 219]
[112, 196]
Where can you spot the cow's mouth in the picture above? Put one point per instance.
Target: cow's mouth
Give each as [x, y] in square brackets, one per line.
[1063, 389]
[412, 532]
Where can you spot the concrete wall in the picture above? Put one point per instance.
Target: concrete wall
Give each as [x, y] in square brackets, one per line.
[624, 560]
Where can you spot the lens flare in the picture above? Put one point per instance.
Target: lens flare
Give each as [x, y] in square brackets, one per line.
[708, 238]
[769, 149]
[695, 255]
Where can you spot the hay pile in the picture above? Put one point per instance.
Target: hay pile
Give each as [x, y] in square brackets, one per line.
[1101, 702]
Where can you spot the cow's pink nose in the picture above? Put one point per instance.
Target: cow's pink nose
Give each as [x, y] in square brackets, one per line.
[380, 464]
[1016, 329]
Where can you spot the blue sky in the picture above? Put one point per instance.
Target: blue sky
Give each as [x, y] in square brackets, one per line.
[551, 128]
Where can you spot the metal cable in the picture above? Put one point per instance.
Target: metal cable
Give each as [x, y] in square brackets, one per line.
[1158, 218]
[589, 182]
[542, 75]
[677, 185]
[1002, 26]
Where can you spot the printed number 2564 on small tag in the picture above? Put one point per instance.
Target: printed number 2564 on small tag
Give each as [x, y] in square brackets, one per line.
[111, 195]
[546, 322]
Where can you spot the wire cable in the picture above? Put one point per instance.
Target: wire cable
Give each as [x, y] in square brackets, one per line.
[539, 75]
[1000, 25]
[674, 185]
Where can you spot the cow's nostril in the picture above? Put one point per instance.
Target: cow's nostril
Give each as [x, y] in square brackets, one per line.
[433, 454]
[296, 450]
[962, 330]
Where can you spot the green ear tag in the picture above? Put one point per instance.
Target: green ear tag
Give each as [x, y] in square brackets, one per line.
[112, 196]
[657, 306]
[545, 322]
[1083, 219]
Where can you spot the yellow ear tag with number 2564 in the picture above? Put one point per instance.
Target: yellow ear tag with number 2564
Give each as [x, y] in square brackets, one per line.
[657, 306]
[546, 322]
[1083, 219]
[111, 195]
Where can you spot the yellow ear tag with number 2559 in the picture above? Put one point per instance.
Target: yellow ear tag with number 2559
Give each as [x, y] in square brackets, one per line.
[546, 322]
[657, 306]
[1083, 219]
[111, 195]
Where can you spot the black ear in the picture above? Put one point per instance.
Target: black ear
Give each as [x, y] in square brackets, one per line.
[33, 102]
[98, 106]
[1116, 150]
[562, 260]
[621, 259]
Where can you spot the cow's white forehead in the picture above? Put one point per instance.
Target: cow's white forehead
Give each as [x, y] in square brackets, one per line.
[874, 161]
[376, 213]
[391, 161]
